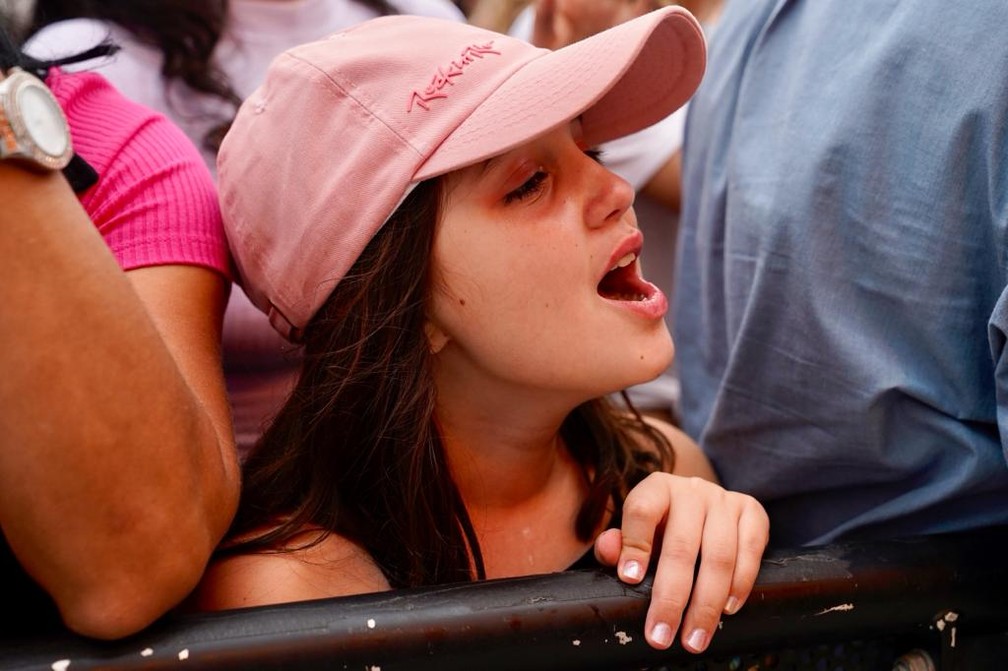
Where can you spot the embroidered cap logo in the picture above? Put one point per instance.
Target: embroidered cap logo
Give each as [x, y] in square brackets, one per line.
[444, 76]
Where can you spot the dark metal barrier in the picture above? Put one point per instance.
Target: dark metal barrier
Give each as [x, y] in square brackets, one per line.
[935, 602]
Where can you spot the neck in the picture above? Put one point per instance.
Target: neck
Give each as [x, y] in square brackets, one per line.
[521, 486]
[503, 445]
[497, 463]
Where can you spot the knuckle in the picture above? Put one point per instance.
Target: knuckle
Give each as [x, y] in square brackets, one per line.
[678, 549]
[668, 602]
[643, 545]
[759, 530]
[701, 483]
[739, 503]
[720, 558]
[641, 507]
[752, 505]
[754, 544]
[705, 615]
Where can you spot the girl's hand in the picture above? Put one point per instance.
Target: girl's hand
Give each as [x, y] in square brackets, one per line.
[683, 518]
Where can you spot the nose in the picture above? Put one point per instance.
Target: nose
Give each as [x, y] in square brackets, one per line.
[611, 195]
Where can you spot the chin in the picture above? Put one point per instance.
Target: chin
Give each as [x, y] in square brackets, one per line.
[645, 364]
[660, 356]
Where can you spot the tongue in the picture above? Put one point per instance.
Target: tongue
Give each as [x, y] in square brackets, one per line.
[621, 285]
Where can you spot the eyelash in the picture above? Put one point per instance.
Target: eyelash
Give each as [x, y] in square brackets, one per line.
[528, 188]
[534, 183]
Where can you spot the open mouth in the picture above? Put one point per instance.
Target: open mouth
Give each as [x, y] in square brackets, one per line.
[623, 283]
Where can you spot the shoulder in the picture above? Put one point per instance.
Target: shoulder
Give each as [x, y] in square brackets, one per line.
[689, 458]
[334, 567]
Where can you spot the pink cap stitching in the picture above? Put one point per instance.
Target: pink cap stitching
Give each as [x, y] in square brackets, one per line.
[443, 77]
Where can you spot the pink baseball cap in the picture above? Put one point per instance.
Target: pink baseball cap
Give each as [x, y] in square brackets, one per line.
[322, 153]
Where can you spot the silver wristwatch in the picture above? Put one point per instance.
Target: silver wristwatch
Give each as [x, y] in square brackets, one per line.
[33, 128]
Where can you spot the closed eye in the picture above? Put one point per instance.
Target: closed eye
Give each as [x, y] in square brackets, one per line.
[529, 188]
[534, 184]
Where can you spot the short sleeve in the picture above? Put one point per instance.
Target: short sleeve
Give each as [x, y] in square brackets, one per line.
[155, 202]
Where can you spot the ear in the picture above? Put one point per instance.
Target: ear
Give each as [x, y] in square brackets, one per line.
[436, 337]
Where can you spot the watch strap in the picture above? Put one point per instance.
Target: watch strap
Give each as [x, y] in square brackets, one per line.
[80, 174]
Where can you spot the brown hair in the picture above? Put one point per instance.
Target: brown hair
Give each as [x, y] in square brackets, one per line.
[356, 449]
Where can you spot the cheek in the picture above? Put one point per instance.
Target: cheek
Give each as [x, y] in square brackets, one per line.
[498, 263]
[504, 311]
[502, 279]
[521, 280]
[480, 289]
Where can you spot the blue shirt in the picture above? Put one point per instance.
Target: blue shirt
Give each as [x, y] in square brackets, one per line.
[841, 313]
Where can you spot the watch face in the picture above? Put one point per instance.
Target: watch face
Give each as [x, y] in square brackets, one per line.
[43, 120]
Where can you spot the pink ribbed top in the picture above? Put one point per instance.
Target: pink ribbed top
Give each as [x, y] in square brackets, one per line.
[155, 202]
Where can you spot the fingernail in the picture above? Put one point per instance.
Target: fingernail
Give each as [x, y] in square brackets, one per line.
[632, 570]
[661, 634]
[732, 606]
[697, 640]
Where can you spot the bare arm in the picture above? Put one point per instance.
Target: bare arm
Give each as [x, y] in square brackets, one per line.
[117, 468]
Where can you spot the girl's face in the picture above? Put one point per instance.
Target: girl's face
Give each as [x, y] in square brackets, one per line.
[536, 277]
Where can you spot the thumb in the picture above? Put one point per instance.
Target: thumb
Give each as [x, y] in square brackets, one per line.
[608, 546]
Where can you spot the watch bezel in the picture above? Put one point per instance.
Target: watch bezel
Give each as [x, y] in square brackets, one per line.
[12, 86]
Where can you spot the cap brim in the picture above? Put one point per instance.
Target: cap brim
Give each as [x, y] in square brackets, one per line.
[621, 80]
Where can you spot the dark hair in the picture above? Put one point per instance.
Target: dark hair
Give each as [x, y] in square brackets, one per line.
[186, 32]
[356, 450]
